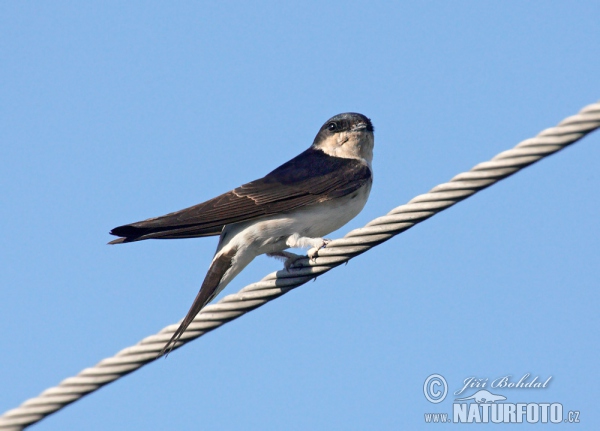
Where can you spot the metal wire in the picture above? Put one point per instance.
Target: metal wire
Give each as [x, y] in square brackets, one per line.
[337, 252]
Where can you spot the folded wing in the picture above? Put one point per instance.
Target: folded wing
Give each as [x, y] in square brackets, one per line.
[308, 179]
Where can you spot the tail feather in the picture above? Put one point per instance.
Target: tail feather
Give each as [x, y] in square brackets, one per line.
[207, 292]
[118, 241]
[131, 233]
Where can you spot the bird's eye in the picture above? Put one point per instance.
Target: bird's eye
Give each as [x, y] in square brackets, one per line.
[332, 126]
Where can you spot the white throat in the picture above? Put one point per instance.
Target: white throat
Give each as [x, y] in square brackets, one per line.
[349, 145]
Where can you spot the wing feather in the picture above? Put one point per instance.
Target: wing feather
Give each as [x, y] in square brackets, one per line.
[308, 179]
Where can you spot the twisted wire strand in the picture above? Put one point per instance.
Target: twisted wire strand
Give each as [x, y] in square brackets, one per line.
[339, 251]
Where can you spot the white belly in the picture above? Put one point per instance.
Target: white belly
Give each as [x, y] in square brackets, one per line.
[329, 216]
[269, 235]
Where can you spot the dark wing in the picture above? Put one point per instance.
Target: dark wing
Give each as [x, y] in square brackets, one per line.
[307, 179]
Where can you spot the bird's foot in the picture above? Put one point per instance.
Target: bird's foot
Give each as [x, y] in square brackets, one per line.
[289, 259]
[313, 253]
[316, 244]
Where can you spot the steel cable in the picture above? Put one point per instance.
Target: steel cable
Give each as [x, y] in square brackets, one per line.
[339, 251]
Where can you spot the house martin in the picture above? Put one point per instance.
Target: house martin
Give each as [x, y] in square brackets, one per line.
[294, 206]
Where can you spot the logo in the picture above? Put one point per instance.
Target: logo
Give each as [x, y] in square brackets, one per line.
[491, 406]
[430, 390]
[483, 396]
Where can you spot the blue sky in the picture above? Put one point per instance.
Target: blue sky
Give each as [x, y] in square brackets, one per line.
[111, 113]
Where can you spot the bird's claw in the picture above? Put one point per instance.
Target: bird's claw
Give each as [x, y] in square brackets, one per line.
[313, 253]
[291, 261]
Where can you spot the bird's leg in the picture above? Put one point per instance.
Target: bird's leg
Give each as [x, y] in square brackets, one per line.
[316, 244]
[313, 253]
[289, 259]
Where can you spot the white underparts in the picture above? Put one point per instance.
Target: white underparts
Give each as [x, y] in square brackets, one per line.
[297, 241]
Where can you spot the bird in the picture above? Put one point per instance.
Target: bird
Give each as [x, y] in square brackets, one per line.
[294, 206]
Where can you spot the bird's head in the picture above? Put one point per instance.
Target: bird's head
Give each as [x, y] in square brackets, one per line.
[348, 135]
